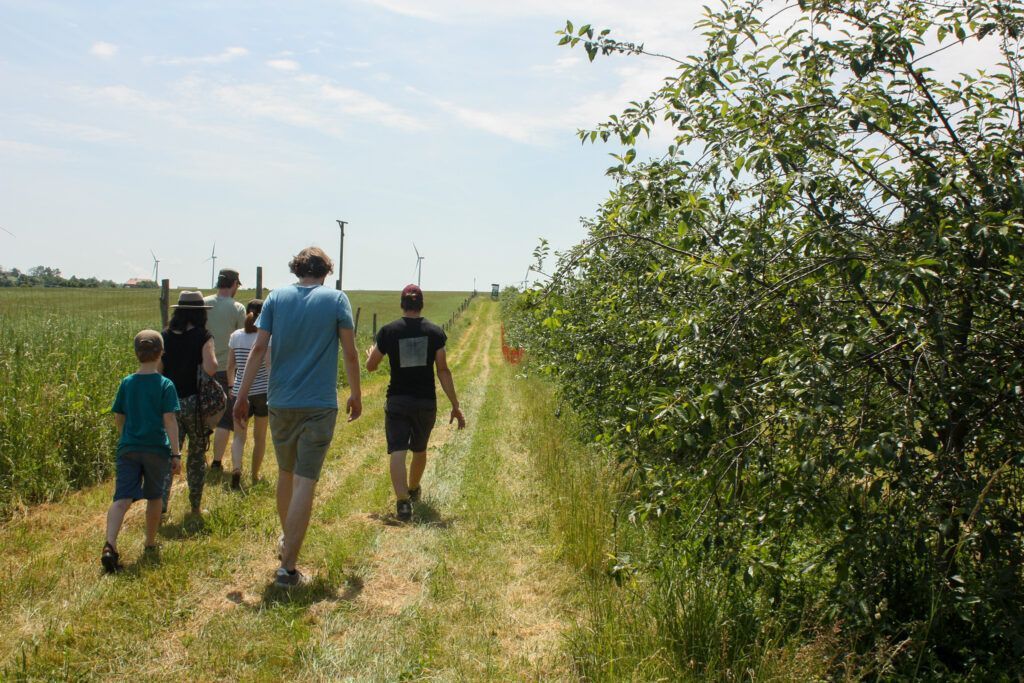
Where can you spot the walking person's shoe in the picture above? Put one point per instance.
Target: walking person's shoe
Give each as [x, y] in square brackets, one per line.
[110, 559]
[414, 494]
[216, 466]
[404, 510]
[289, 579]
[236, 481]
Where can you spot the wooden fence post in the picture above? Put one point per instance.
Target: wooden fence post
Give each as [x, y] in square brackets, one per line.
[259, 282]
[355, 327]
[375, 325]
[165, 303]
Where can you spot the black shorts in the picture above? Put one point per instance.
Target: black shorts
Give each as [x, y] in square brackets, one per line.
[258, 405]
[408, 422]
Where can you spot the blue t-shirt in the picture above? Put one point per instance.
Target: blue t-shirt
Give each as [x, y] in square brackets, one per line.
[303, 322]
[143, 400]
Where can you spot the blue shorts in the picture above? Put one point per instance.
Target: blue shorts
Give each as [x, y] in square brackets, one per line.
[140, 475]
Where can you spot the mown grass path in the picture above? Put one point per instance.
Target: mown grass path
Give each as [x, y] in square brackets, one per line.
[469, 590]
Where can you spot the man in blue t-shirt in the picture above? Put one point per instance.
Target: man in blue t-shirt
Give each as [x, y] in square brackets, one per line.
[306, 320]
[146, 414]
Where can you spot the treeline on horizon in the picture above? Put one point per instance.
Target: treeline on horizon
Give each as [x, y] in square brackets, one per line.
[44, 276]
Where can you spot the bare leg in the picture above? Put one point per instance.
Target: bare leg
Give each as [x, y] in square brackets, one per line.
[237, 448]
[259, 446]
[419, 463]
[299, 512]
[152, 519]
[115, 518]
[398, 475]
[284, 496]
[220, 443]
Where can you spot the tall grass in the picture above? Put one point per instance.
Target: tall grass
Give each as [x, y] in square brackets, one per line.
[63, 353]
[661, 622]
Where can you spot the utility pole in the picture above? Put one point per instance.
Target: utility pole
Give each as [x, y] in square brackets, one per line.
[341, 251]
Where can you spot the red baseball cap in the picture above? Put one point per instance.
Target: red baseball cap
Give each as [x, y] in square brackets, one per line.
[412, 294]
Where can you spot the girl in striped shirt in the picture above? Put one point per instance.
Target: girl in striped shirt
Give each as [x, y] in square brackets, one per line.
[239, 345]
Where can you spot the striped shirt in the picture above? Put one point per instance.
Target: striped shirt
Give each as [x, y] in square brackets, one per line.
[240, 344]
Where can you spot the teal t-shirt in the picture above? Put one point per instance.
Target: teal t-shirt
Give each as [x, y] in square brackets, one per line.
[143, 400]
[303, 323]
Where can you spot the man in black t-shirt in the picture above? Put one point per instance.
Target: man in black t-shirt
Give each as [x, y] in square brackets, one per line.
[414, 347]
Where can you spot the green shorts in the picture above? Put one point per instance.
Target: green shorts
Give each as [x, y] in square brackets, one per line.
[301, 438]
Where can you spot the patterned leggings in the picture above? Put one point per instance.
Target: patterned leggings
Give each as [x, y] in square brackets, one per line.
[198, 441]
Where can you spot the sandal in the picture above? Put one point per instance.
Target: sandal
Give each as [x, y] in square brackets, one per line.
[110, 559]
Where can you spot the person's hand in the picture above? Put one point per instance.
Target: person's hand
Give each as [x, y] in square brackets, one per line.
[457, 415]
[354, 408]
[369, 351]
[176, 465]
[241, 410]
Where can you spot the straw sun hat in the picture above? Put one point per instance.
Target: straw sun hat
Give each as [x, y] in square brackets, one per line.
[191, 300]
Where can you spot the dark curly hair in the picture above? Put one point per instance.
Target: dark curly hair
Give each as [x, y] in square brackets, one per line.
[311, 262]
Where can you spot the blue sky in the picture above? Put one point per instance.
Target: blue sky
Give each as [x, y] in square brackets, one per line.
[129, 126]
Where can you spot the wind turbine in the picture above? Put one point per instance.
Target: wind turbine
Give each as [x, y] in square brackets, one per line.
[528, 269]
[419, 264]
[156, 268]
[213, 264]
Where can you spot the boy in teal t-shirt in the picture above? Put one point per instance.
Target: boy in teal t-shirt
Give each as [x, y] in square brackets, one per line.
[145, 412]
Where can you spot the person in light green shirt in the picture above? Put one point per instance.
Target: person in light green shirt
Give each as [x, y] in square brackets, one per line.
[225, 316]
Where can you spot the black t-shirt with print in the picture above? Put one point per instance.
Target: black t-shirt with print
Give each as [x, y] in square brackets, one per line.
[410, 345]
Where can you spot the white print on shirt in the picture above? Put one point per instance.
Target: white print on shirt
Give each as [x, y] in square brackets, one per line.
[412, 352]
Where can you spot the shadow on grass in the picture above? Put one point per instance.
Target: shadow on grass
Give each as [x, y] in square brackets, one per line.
[149, 559]
[423, 514]
[190, 526]
[319, 589]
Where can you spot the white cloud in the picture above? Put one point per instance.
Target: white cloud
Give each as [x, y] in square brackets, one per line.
[560, 65]
[226, 55]
[662, 23]
[103, 50]
[80, 132]
[362, 65]
[283, 64]
[16, 148]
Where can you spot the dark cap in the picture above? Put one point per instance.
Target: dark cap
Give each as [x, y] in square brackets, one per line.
[148, 341]
[412, 297]
[229, 276]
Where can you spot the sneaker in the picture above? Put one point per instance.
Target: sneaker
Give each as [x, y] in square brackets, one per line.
[404, 509]
[110, 559]
[216, 465]
[236, 481]
[289, 579]
[414, 494]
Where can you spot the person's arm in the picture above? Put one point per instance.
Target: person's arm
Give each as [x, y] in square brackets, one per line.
[252, 366]
[373, 358]
[209, 358]
[119, 419]
[444, 376]
[354, 407]
[231, 370]
[171, 427]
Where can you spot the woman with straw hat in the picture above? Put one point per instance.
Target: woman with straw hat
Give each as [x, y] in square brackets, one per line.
[188, 346]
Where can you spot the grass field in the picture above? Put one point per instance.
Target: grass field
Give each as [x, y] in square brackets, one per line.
[62, 354]
[504, 574]
[468, 591]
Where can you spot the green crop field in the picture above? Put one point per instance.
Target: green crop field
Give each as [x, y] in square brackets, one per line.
[62, 354]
